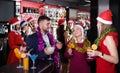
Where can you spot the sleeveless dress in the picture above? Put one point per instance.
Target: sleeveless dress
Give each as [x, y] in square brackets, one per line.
[78, 61]
[103, 66]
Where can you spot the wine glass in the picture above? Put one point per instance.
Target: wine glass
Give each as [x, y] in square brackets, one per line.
[89, 49]
[18, 55]
[20, 64]
[51, 49]
[21, 55]
[33, 58]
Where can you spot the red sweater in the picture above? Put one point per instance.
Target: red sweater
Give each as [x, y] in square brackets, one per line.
[14, 41]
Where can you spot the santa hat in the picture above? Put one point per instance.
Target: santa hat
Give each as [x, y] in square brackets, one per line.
[14, 21]
[61, 22]
[71, 21]
[30, 19]
[23, 23]
[82, 30]
[88, 20]
[105, 17]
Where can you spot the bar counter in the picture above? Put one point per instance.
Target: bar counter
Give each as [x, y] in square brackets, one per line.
[41, 67]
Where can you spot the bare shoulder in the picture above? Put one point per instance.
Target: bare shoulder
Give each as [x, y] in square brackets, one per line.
[109, 41]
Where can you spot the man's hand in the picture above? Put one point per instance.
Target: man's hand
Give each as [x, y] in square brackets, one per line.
[47, 52]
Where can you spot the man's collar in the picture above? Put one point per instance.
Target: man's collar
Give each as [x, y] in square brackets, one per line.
[44, 33]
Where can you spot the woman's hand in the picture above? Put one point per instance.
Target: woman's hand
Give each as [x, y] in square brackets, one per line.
[70, 51]
[22, 48]
[93, 53]
[59, 45]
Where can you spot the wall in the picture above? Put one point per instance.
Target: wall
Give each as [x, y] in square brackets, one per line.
[115, 7]
[102, 5]
[7, 9]
[30, 4]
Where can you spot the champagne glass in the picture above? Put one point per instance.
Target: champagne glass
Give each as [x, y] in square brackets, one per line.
[33, 58]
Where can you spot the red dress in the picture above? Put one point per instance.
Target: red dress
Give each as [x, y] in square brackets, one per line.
[103, 66]
[14, 41]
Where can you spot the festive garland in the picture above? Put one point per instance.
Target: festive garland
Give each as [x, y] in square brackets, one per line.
[97, 41]
[75, 46]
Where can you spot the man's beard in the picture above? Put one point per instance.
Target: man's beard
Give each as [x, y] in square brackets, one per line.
[45, 31]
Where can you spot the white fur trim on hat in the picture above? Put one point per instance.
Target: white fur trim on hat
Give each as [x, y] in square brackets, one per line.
[104, 21]
[31, 20]
[25, 23]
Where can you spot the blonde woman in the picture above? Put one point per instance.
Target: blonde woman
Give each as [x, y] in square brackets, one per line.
[107, 43]
[76, 52]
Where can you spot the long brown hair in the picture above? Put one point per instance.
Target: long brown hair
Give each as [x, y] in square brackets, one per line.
[105, 27]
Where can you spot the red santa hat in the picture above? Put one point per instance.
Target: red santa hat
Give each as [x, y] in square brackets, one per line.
[82, 30]
[105, 17]
[88, 20]
[71, 21]
[61, 22]
[30, 19]
[14, 21]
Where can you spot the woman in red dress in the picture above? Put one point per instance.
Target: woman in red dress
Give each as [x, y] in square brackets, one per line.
[107, 43]
[15, 40]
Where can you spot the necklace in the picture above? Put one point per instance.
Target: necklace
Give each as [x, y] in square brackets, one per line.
[75, 46]
[83, 49]
[97, 41]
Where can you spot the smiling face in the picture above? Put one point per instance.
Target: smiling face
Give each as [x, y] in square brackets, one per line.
[17, 27]
[77, 31]
[25, 27]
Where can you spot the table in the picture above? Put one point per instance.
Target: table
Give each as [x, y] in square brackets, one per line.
[42, 67]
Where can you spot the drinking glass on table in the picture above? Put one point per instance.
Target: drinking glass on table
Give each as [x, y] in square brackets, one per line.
[20, 64]
[33, 58]
[19, 54]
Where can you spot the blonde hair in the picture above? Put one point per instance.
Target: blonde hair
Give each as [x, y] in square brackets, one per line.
[105, 27]
[82, 30]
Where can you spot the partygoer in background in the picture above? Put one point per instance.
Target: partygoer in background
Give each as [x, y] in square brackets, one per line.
[71, 23]
[42, 41]
[61, 38]
[68, 29]
[24, 29]
[14, 39]
[76, 52]
[31, 26]
[107, 43]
